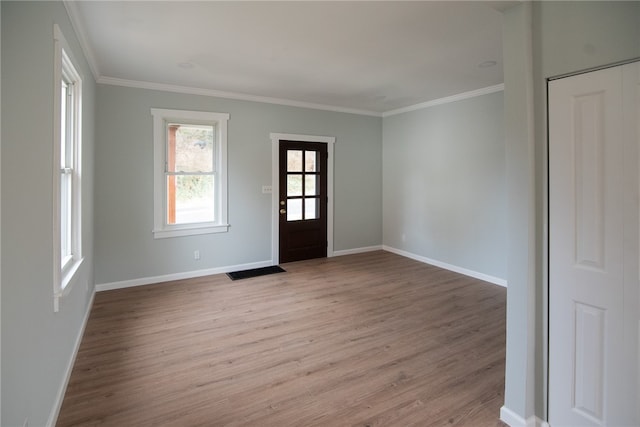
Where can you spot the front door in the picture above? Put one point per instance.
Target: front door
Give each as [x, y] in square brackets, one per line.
[593, 248]
[303, 200]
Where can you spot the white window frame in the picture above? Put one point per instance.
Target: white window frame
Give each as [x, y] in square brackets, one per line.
[66, 266]
[161, 119]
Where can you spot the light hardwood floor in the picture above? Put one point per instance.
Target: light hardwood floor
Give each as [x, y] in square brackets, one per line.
[372, 339]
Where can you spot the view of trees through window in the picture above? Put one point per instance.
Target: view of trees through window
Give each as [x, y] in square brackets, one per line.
[192, 160]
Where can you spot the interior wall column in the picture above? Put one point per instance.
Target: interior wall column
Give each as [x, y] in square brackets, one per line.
[520, 378]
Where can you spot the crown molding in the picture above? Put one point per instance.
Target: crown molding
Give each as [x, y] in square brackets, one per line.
[287, 102]
[81, 35]
[446, 100]
[231, 95]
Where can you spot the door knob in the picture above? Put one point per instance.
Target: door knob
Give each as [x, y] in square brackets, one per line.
[281, 202]
[283, 211]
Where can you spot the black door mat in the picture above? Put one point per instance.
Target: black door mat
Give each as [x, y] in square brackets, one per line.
[255, 272]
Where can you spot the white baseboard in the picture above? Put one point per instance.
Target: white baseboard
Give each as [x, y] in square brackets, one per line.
[512, 419]
[53, 417]
[207, 272]
[179, 276]
[226, 269]
[357, 250]
[455, 268]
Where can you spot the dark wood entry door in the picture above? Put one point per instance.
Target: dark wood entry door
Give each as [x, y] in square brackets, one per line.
[303, 200]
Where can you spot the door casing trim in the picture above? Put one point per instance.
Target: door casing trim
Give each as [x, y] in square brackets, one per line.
[275, 187]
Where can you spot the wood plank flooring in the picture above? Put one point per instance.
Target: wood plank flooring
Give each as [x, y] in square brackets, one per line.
[372, 339]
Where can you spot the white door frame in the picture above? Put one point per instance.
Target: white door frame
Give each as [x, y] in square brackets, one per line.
[275, 188]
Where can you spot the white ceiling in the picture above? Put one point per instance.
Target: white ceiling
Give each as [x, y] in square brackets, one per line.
[366, 56]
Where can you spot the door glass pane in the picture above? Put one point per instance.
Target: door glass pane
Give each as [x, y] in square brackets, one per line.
[310, 185]
[294, 185]
[294, 160]
[311, 208]
[310, 161]
[294, 209]
[189, 148]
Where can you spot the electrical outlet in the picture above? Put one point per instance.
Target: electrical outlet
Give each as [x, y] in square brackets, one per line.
[267, 189]
[196, 255]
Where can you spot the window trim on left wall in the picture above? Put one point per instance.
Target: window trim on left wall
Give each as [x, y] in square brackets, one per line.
[65, 271]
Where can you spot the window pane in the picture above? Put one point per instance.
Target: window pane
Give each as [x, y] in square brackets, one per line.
[310, 161]
[294, 185]
[63, 125]
[311, 208]
[294, 209]
[310, 188]
[67, 126]
[193, 199]
[189, 148]
[65, 215]
[294, 160]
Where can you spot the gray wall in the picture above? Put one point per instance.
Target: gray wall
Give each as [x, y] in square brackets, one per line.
[564, 37]
[0, 220]
[571, 36]
[125, 247]
[444, 186]
[37, 344]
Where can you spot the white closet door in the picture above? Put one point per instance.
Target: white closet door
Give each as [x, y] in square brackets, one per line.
[593, 248]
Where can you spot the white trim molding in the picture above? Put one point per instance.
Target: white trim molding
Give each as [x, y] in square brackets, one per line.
[81, 35]
[53, 416]
[276, 137]
[179, 276]
[230, 95]
[357, 250]
[275, 185]
[477, 275]
[446, 100]
[512, 419]
[291, 103]
[65, 72]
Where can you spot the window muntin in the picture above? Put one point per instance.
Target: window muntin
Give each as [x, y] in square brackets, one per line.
[190, 195]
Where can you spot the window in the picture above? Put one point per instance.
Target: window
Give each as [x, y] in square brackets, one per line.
[67, 167]
[297, 193]
[190, 182]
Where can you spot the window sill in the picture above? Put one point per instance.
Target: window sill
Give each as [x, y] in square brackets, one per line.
[190, 231]
[69, 277]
